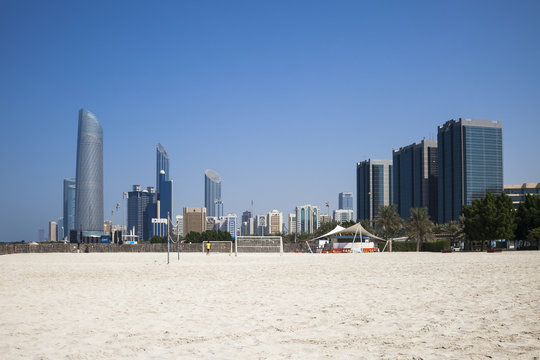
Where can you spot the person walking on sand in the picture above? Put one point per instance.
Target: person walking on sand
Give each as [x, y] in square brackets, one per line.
[208, 248]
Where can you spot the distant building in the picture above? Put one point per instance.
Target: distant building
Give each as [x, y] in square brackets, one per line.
[60, 229]
[307, 218]
[52, 230]
[162, 164]
[342, 215]
[247, 227]
[107, 226]
[324, 218]
[218, 208]
[275, 222]
[518, 192]
[89, 177]
[261, 225]
[41, 235]
[140, 211]
[212, 223]
[470, 163]
[165, 197]
[415, 178]
[180, 222]
[212, 192]
[194, 220]
[229, 224]
[160, 227]
[69, 206]
[374, 187]
[345, 201]
[292, 223]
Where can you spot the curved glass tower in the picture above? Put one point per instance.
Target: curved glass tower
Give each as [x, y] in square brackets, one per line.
[212, 193]
[89, 177]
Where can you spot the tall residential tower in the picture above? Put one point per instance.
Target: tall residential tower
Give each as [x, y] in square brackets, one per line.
[212, 193]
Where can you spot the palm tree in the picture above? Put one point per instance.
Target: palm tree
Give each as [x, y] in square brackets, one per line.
[455, 230]
[419, 226]
[388, 221]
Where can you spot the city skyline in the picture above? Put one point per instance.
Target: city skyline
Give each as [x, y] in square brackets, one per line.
[272, 86]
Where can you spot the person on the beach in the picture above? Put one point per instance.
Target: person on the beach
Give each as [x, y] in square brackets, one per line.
[208, 248]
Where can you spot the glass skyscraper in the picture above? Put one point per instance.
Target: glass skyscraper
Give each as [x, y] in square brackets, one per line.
[415, 178]
[374, 187]
[69, 206]
[345, 201]
[162, 163]
[470, 164]
[141, 208]
[212, 193]
[89, 176]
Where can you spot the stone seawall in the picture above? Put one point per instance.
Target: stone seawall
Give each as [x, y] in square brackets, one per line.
[255, 247]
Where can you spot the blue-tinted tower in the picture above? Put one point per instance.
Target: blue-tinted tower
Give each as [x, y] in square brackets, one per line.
[165, 196]
[374, 187]
[69, 205]
[470, 164]
[345, 201]
[162, 163]
[415, 178]
[212, 193]
[89, 176]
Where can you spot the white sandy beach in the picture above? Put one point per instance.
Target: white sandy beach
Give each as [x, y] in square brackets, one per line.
[297, 306]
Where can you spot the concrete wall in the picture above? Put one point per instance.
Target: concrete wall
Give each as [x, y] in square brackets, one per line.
[255, 247]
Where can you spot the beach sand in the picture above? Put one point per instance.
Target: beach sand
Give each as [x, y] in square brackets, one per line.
[259, 306]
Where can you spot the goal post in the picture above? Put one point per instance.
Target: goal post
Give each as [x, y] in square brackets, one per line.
[258, 244]
[219, 246]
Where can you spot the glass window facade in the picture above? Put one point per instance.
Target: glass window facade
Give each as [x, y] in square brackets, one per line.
[212, 192]
[470, 164]
[374, 187]
[89, 176]
[69, 205]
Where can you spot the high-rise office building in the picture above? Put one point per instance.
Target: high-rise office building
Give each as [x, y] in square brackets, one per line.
[342, 215]
[212, 193]
[162, 163]
[261, 225]
[165, 197]
[374, 187]
[52, 230]
[89, 176]
[69, 205]
[345, 201]
[229, 224]
[275, 222]
[60, 229]
[470, 163]
[194, 220]
[141, 207]
[292, 223]
[307, 218]
[415, 178]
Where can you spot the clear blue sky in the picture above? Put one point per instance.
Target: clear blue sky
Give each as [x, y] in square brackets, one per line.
[281, 98]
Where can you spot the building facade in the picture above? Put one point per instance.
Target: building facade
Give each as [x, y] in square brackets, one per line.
[194, 219]
[159, 227]
[52, 230]
[162, 164]
[275, 222]
[212, 192]
[69, 205]
[470, 163]
[229, 224]
[89, 176]
[261, 225]
[345, 201]
[291, 220]
[140, 211]
[415, 178]
[180, 224]
[165, 197]
[342, 215]
[307, 218]
[374, 187]
[518, 192]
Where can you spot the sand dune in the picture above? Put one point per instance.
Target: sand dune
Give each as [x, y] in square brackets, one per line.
[296, 306]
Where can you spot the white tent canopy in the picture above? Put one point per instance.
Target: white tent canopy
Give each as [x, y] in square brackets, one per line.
[355, 229]
[336, 230]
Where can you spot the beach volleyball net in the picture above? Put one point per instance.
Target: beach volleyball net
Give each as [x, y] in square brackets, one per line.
[218, 246]
[258, 244]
